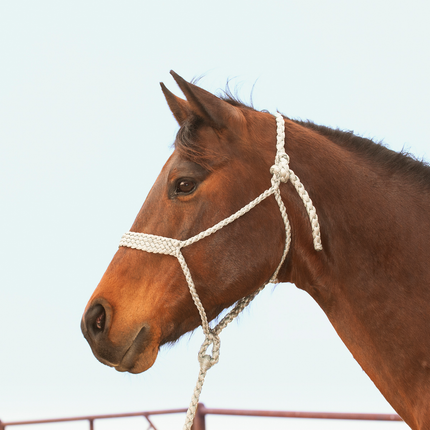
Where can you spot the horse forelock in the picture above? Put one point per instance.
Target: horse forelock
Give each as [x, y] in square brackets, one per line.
[190, 147]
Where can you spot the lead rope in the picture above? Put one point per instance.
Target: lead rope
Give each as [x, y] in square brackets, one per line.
[281, 172]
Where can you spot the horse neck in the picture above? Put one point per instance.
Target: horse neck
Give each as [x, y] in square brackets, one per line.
[371, 279]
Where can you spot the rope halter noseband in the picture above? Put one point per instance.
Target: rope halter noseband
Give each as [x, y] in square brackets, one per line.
[281, 172]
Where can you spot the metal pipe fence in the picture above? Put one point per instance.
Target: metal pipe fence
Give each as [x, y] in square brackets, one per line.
[92, 418]
[202, 411]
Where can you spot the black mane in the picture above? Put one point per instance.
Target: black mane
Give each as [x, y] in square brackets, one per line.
[395, 162]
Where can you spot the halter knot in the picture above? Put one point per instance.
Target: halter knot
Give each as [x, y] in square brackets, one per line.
[207, 361]
[281, 169]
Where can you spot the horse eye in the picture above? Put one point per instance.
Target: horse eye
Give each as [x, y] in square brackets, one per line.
[185, 186]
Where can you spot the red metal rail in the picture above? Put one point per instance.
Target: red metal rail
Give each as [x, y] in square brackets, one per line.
[202, 411]
[92, 418]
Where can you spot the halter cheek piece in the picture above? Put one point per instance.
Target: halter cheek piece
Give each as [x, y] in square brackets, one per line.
[281, 172]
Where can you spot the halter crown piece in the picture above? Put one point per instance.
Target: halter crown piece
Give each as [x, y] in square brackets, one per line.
[281, 172]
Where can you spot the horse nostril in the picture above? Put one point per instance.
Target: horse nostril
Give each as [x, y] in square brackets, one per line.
[95, 320]
[100, 320]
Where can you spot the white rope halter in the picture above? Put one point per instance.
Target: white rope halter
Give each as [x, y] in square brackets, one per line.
[281, 172]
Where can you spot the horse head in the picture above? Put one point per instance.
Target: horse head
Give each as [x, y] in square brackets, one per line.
[222, 158]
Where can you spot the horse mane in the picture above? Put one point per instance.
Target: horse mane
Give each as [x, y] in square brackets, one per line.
[394, 162]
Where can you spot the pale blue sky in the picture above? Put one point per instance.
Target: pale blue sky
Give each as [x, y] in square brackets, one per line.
[84, 131]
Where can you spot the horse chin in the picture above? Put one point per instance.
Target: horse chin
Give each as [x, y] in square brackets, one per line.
[137, 361]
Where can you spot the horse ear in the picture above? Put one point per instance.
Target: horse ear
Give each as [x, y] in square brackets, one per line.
[211, 108]
[179, 107]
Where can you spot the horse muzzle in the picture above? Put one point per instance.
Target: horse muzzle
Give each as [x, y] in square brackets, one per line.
[131, 351]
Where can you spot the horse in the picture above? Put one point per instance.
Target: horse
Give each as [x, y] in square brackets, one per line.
[371, 275]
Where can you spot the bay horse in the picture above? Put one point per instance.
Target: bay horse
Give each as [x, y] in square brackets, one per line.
[371, 278]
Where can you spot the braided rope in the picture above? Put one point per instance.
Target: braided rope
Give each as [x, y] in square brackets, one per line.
[310, 209]
[281, 172]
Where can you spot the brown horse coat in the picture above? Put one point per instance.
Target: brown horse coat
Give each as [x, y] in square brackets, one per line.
[372, 278]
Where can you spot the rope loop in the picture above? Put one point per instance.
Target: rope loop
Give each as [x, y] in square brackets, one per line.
[206, 360]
